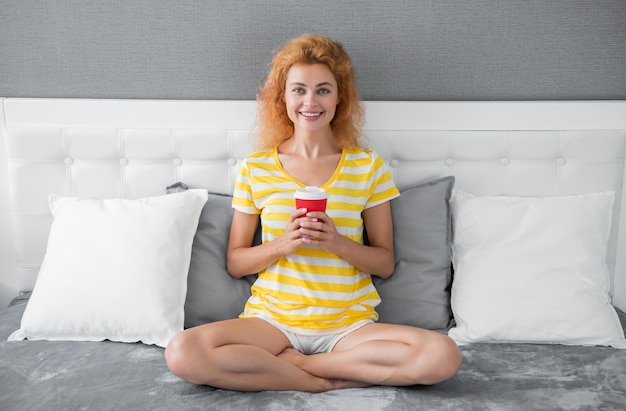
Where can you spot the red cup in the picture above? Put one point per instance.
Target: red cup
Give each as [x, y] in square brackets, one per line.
[312, 198]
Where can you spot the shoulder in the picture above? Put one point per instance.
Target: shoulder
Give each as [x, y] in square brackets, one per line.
[259, 157]
[360, 153]
[364, 156]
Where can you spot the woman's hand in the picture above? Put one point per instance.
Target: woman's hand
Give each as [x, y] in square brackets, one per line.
[318, 229]
[292, 237]
[243, 259]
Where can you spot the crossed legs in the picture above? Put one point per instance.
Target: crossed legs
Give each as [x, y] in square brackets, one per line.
[252, 355]
[385, 354]
[238, 354]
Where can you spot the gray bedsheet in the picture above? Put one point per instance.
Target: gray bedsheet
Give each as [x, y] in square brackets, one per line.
[44, 375]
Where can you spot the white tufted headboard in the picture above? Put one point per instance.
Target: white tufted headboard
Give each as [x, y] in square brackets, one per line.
[135, 148]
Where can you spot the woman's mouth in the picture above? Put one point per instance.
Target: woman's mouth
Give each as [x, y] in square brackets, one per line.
[309, 114]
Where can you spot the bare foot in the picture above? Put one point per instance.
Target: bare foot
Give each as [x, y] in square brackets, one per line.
[296, 358]
[344, 384]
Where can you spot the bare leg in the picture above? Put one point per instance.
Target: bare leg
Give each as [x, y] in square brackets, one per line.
[385, 354]
[240, 354]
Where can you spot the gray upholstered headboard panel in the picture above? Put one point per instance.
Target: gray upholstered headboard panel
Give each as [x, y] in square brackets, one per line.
[402, 49]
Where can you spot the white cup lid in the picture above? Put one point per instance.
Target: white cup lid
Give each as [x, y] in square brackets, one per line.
[311, 193]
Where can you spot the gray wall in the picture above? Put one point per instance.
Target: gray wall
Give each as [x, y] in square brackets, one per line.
[403, 50]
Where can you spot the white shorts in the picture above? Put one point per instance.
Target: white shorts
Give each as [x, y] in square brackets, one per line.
[315, 344]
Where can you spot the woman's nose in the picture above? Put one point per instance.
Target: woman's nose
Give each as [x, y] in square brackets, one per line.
[310, 99]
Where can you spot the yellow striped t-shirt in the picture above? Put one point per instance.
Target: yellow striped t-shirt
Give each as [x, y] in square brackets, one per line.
[313, 291]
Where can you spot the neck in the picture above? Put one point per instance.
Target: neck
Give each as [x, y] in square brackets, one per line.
[310, 144]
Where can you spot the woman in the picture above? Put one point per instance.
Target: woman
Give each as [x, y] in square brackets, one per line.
[310, 322]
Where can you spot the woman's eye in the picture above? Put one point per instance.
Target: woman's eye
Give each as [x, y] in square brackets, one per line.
[323, 91]
[298, 90]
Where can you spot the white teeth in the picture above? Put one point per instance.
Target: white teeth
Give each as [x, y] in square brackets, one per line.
[310, 114]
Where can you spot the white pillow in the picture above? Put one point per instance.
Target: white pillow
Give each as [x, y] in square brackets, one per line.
[114, 269]
[531, 269]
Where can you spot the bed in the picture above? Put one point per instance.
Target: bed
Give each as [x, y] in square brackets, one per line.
[508, 237]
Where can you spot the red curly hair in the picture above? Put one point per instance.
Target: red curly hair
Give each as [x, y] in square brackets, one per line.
[273, 123]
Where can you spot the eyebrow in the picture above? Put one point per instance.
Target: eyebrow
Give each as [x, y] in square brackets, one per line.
[325, 83]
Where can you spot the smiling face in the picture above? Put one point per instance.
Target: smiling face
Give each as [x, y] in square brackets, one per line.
[311, 97]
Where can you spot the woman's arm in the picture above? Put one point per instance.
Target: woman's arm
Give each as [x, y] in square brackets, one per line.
[377, 258]
[243, 259]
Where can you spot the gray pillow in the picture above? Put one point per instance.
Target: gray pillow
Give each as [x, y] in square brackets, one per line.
[212, 293]
[418, 292]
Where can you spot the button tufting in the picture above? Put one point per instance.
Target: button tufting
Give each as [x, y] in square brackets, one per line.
[231, 161]
[394, 163]
[505, 161]
[449, 162]
[123, 161]
[178, 162]
[560, 161]
[68, 161]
